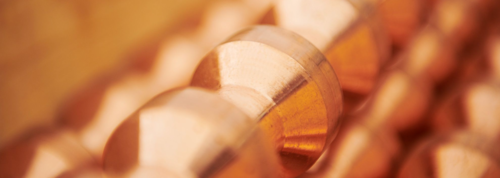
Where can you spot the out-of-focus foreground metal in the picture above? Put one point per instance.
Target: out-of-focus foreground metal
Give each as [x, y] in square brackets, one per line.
[245, 88]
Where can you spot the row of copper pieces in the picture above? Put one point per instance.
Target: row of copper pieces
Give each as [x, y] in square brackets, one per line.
[388, 101]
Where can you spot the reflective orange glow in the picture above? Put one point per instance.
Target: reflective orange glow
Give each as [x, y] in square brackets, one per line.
[165, 134]
[402, 18]
[339, 30]
[250, 88]
[359, 152]
[460, 154]
[50, 154]
[293, 91]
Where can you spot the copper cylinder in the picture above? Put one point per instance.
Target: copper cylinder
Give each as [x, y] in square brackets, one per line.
[473, 107]
[189, 133]
[159, 64]
[433, 52]
[48, 154]
[429, 55]
[359, 151]
[493, 53]
[459, 154]
[402, 19]
[459, 20]
[278, 78]
[399, 102]
[348, 33]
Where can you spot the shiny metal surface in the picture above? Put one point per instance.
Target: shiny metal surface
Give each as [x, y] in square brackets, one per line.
[466, 108]
[281, 80]
[55, 153]
[189, 133]
[359, 151]
[341, 29]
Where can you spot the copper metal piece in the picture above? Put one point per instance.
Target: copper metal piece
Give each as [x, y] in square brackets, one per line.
[432, 53]
[96, 110]
[402, 18]
[349, 35]
[399, 102]
[49, 154]
[459, 20]
[474, 107]
[359, 151]
[429, 56]
[278, 78]
[493, 53]
[460, 154]
[189, 133]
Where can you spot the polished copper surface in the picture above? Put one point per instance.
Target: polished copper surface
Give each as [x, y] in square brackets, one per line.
[429, 56]
[96, 109]
[402, 19]
[49, 154]
[399, 101]
[341, 29]
[466, 108]
[493, 53]
[189, 133]
[359, 151]
[281, 80]
[351, 91]
[459, 154]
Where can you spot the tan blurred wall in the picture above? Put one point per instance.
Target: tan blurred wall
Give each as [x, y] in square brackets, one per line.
[50, 48]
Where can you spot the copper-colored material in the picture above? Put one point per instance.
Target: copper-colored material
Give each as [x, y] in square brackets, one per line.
[341, 30]
[493, 53]
[429, 56]
[48, 49]
[359, 151]
[461, 154]
[402, 18]
[432, 53]
[50, 154]
[282, 80]
[186, 133]
[475, 108]
[399, 101]
[97, 109]
[459, 20]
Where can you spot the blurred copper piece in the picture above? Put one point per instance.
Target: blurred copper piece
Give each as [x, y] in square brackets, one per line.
[399, 101]
[189, 133]
[493, 53]
[483, 109]
[278, 78]
[96, 110]
[49, 154]
[458, 20]
[429, 56]
[460, 154]
[223, 18]
[359, 151]
[93, 171]
[475, 107]
[351, 39]
[402, 18]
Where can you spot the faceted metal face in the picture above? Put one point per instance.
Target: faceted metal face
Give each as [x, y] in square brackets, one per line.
[351, 39]
[188, 133]
[281, 80]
